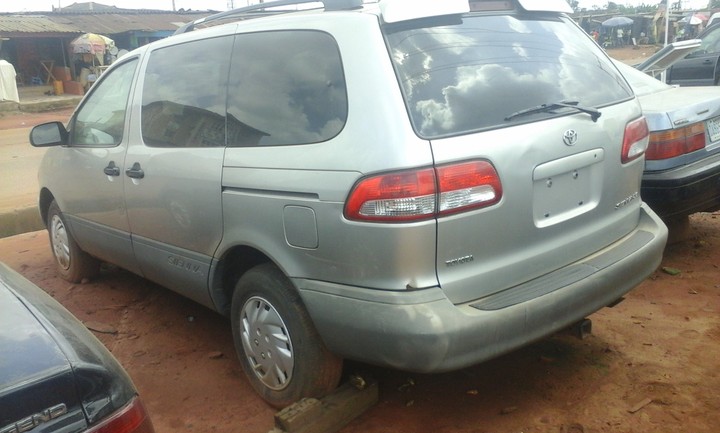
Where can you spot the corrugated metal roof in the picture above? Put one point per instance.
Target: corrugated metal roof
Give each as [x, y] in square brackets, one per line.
[33, 24]
[111, 23]
[104, 23]
[89, 7]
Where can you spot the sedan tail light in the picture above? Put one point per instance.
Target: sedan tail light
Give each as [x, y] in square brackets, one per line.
[676, 142]
[635, 141]
[130, 419]
[425, 193]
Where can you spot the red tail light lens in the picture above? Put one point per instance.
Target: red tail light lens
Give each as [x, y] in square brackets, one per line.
[403, 196]
[468, 186]
[635, 141]
[669, 144]
[130, 419]
[425, 193]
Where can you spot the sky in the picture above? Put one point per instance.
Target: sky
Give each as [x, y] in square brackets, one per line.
[47, 5]
[221, 5]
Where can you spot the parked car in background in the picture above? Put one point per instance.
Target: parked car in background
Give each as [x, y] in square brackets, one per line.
[402, 183]
[55, 376]
[714, 19]
[701, 67]
[682, 162]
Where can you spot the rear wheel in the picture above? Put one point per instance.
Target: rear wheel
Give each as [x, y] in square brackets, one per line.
[278, 346]
[73, 264]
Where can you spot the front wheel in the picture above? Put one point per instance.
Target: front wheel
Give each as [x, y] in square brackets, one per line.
[73, 264]
[278, 346]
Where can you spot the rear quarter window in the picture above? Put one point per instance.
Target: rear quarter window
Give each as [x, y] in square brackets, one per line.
[286, 87]
[470, 74]
[184, 94]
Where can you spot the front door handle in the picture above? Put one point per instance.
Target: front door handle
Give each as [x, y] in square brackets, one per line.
[112, 169]
[135, 172]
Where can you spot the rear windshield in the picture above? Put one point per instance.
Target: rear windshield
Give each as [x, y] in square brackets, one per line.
[471, 74]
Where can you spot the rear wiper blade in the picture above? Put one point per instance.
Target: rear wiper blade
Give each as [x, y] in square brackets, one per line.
[594, 114]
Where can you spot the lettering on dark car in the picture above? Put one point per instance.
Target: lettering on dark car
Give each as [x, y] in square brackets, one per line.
[34, 420]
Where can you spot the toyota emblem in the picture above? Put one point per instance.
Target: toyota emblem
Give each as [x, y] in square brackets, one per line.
[570, 137]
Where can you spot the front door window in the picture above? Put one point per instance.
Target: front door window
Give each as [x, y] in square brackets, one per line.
[101, 119]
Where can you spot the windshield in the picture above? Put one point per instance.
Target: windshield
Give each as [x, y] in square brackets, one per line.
[471, 75]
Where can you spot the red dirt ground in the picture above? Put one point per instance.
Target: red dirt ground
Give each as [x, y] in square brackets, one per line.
[656, 354]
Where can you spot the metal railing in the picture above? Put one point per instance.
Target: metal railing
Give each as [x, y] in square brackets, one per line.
[261, 9]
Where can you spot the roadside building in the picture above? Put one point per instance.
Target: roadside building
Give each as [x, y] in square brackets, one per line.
[37, 44]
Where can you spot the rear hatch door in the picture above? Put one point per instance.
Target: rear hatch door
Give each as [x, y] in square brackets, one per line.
[532, 94]
[560, 203]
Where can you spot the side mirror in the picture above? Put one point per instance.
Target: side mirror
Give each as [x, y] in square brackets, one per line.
[49, 134]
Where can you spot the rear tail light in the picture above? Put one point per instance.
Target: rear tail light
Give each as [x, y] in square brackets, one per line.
[425, 193]
[635, 141]
[467, 186]
[403, 196]
[676, 142]
[130, 419]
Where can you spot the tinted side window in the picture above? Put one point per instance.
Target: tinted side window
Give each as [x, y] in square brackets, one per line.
[472, 74]
[286, 87]
[710, 44]
[184, 92]
[101, 119]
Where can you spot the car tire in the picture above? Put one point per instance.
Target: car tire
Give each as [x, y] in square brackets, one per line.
[73, 264]
[280, 350]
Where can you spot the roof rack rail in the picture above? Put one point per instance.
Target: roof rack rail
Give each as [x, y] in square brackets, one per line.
[328, 5]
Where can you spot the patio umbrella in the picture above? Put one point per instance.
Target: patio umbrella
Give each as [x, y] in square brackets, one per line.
[693, 20]
[617, 22]
[89, 43]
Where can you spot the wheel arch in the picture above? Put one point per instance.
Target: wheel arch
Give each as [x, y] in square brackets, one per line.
[46, 197]
[226, 272]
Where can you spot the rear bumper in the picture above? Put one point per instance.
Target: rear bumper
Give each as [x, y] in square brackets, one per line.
[423, 331]
[685, 190]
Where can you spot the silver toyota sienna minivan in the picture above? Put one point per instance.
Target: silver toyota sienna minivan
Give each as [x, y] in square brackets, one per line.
[416, 184]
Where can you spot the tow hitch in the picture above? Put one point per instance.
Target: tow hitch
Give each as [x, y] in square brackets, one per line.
[581, 329]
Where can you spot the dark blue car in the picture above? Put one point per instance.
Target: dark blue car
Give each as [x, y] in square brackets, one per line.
[701, 67]
[55, 376]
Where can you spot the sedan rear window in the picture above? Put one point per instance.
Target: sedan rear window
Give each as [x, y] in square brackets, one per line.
[472, 74]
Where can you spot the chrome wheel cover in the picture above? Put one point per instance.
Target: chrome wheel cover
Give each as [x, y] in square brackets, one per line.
[60, 243]
[266, 342]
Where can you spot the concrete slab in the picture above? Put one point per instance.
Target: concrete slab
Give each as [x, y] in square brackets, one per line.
[37, 99]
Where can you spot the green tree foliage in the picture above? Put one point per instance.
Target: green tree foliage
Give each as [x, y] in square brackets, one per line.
[625, 9]
[642, 8]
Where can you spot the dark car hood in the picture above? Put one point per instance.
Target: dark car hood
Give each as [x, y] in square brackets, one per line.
[28, 350]
[668, 55]
[49, 359]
